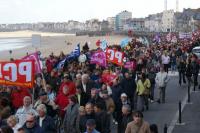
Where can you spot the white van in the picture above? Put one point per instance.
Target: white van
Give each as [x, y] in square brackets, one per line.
[196, 51]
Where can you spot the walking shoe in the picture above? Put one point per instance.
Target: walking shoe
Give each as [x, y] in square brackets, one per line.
[158, 101]
[152, 101]
[115, 122]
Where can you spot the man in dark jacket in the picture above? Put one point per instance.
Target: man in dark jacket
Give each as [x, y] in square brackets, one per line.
[52, 80]
[129, 86]
[116, 94]
[86, 84]
[195, 70]
[95, 98]
[126, 118]
[31, 126]
[44, 121]
[181, 71]
[102, 119]
[89, 114]
[89, 109]
[151, 76]
[189, 72]
[81, 96]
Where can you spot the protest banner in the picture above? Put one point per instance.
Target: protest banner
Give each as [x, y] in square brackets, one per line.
[184, 35]
[115, 56]
[130, 65]
[17, 73]
[99, 57]
[37, 63]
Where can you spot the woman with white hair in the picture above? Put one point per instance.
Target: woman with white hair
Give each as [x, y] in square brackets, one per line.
[12, 122]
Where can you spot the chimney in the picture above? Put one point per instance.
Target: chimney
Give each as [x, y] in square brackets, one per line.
[177, 5]
[165, 5]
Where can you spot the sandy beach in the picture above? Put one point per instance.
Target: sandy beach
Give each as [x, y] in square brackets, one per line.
[53, 42]
[28, 34]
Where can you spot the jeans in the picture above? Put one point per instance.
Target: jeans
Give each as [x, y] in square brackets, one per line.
[173, 67]
[162, 94]
[181, 76]
[141, 101]
[152, 91]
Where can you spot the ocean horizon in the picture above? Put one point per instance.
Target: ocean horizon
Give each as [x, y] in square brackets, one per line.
[12, 43]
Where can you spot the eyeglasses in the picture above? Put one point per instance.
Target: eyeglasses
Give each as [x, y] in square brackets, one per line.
[30, 121]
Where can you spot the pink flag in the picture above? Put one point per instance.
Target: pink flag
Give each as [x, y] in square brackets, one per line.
[35, 58]
[130, 65]
[99, 57]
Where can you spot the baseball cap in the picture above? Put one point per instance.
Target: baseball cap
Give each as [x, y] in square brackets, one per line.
[123, 95]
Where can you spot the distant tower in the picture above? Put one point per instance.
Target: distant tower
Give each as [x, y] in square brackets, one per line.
[177, 5]
[165, 3]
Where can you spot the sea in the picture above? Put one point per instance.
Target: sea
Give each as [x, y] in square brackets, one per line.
[7, 44]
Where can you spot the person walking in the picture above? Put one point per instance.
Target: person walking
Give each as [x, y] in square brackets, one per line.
[195, 70]
[181, 71]
[143, 91]
[165, 61]
[71, 115]
[189, 72]
[138, 125]
[162, 80]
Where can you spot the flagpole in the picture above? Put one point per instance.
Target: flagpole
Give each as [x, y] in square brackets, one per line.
[44, 82]
[33, 97]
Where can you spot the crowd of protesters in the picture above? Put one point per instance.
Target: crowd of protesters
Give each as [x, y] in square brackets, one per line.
[75, 99]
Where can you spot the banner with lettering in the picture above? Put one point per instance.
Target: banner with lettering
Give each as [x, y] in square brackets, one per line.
[99, 57]
[130, 65]
[17, 73]
[115, 56]
[184, 35]
[37, 62]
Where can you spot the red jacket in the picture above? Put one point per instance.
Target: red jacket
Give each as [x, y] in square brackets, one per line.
[18, 96]
[71, 86]
[62, 101]
[49, 65]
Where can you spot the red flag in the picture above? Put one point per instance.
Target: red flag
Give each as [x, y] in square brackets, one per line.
[98, 43]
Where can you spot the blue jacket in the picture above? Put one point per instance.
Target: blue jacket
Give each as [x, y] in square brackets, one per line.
[48, 125]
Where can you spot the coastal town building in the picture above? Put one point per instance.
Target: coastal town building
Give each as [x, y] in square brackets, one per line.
[153, 22]
[167, 21]
[135, 24]
[111, 22]
[121, 19]
[93, 25]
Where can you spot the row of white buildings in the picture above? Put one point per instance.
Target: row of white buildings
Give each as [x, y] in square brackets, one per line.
[90, 25]
[167, 21]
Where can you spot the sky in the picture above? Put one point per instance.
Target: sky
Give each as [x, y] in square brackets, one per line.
[31, 11]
